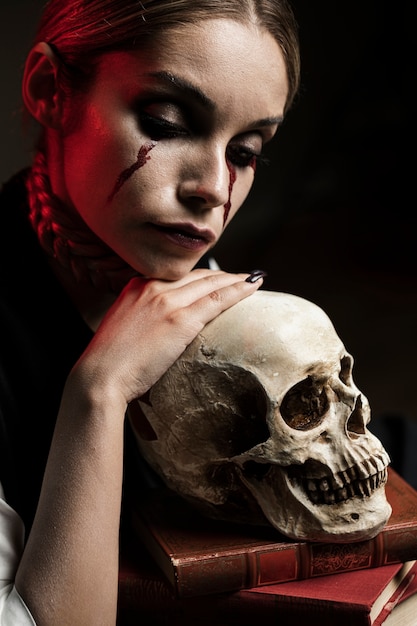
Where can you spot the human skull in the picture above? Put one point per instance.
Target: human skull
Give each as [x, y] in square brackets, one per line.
[259, 421]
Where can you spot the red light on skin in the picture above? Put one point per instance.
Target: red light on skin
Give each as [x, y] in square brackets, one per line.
[228, 205]
[129, 171]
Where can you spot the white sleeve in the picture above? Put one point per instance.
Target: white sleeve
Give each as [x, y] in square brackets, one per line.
[13, 611]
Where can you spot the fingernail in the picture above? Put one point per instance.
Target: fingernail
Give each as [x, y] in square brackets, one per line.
[255, 275]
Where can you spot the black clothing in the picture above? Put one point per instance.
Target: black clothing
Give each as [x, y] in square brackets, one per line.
[41, 337]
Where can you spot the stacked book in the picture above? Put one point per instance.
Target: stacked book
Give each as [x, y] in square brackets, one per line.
[179, 568]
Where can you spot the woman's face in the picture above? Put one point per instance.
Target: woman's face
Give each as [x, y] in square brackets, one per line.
[165, 144]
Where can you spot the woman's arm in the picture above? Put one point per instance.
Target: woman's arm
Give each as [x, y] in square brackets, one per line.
[68, 574]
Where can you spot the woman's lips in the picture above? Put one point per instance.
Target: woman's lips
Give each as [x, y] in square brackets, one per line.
[186, 235]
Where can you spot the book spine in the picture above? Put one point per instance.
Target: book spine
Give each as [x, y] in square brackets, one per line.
[222, 573]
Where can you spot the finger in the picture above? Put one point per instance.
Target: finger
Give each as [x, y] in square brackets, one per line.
[188, 289]
[223, 297]
[190, 319]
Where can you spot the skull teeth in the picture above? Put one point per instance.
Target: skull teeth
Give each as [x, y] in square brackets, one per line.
[343, 486]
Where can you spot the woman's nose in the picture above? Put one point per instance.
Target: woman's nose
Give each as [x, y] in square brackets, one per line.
[206, 181]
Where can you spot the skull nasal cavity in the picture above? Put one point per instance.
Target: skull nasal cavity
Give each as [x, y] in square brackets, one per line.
[355, 423]
[346, 365]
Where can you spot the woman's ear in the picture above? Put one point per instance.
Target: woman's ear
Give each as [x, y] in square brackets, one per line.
[39, 85]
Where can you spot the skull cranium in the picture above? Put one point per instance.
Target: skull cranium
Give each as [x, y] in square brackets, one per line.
[260, 421]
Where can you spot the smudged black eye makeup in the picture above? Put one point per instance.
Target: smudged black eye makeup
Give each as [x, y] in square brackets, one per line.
[158, 128]
[244, 157]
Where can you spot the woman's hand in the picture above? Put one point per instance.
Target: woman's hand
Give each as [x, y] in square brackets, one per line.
[151, 324]
[75, 533]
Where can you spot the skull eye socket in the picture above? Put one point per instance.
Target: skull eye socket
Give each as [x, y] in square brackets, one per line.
[304, 405]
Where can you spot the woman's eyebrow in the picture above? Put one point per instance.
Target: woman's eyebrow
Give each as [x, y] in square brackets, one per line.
[267, 121]
[191, 90]
[184, 86]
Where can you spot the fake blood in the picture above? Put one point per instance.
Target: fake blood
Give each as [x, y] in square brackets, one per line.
[232, 180]
[127, 173]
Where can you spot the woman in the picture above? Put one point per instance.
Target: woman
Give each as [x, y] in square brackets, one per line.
[153, 116]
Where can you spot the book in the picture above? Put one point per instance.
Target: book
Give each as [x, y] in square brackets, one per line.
[203, 556]
[383, 596]
[401, 609]
[359, 598]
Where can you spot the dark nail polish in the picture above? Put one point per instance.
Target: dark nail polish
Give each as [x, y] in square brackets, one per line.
[255, 275]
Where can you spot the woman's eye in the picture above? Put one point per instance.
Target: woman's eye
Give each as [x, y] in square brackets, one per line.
[160, 128]
[243, 157]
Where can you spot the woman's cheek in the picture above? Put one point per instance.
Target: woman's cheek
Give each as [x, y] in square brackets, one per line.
[240, 187]
[125, 174]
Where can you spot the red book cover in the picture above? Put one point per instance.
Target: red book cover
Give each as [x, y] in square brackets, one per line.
[200, 556]
[358, 598]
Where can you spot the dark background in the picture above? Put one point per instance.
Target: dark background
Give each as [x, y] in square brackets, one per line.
[333, 217]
